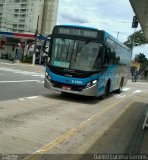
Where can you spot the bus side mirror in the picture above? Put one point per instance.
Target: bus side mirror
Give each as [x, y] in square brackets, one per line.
[46, 45]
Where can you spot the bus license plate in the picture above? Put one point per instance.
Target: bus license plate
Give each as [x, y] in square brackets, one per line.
[66, 87]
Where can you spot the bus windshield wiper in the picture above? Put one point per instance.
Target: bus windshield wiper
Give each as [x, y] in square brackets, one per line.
[80, 49]
[67, 50]
[77, 51]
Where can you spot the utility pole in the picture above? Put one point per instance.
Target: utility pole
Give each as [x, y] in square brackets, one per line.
[36, 32]
[118, 35]
[133, 40]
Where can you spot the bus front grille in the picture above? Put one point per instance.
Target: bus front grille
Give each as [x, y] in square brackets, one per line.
[72, 87]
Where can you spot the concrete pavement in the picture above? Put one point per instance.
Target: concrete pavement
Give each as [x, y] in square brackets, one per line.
[52, 123]
[30, 67]
[17, 81]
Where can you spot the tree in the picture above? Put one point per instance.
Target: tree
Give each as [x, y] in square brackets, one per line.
[138, 37]
[141, 58]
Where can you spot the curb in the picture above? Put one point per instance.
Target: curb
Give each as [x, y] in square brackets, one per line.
[37, 67]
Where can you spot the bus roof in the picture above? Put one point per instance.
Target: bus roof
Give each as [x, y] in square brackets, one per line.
[107, 35]
[69, 25]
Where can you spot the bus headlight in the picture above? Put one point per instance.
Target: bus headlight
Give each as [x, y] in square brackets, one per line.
[47, 76]
[94, 82]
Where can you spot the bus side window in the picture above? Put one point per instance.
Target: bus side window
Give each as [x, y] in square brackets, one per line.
[98, 63]
[107, 56]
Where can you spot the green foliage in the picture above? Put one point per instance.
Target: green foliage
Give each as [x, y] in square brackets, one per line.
[27, 59]
[141, 58]
[138, 37]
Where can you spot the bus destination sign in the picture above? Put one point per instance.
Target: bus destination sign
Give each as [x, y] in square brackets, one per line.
[77, 32]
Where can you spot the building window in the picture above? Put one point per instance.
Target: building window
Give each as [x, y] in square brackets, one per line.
[23, 5]
[16, 10]
[14, 26]
[22, 20]
[14, 30]
[23, 16]
[16, 1]
[23, 10]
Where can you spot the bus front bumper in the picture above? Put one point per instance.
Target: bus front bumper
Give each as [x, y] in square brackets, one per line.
[91, 91]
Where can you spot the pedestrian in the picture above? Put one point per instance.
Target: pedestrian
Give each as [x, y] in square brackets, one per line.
[135, 76]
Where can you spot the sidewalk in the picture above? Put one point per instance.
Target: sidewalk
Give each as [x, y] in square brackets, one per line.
[26, 66]
[5, 61]
[38, 68]
[140, 143]
[144, 146]
[145, 79]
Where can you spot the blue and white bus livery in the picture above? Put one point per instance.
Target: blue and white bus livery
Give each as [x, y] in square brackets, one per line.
[86, 61]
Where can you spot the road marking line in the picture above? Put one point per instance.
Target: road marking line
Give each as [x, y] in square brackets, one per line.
[21, 99]
[125, 89]
[20, 71]
[120, 96]
[24, 98]
[137, 91]
[41, 82]
[60, 139]
[32, 97]
[102, 129]
[84, 147]
[37, 75]
[113, 120]
[21, 81]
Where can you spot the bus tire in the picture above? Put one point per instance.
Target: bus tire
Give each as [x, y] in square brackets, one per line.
[120, 87]
[106, 90]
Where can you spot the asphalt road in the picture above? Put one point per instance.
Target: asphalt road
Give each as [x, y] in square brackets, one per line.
[35, 121]
[20, 81]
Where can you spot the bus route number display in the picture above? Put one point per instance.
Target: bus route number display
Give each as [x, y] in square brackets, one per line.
[78, 32]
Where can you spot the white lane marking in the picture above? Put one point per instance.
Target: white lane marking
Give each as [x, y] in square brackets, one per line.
[120, 96]
[21, 81]
[90, 118]
[21, 99]
[41, 82]
[24, 98]
[21, 71]
[39, 75]
[32, 97]
[137, 91]
[125, 89]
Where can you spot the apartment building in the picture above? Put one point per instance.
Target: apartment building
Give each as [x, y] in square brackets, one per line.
[22, 15]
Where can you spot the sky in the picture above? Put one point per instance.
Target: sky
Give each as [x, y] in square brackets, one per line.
[113, 16]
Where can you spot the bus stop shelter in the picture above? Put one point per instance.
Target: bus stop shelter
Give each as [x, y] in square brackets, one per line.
[140, 8]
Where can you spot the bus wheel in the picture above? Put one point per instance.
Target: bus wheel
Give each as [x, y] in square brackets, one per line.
[120, 86]
[106, 90]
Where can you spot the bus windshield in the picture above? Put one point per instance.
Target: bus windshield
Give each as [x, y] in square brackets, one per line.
[75, 54]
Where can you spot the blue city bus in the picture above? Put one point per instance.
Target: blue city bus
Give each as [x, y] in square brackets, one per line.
[86, 61]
